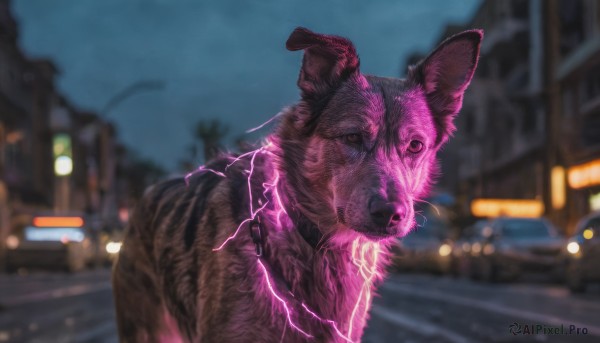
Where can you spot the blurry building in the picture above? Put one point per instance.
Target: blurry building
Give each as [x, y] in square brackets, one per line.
[530, 124]
[498, 151]
[38, 125]
[26, 94]
[574, 142]
[502, 125]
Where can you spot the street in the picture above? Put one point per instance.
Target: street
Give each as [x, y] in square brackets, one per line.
[57, 307]
[60, 307]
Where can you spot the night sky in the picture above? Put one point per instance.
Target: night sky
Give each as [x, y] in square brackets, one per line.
[218, 59]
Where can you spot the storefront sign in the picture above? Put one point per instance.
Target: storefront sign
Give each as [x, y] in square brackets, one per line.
[585, 175]
[507, 207]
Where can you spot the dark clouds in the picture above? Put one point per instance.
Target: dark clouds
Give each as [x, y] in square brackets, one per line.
[223, 59]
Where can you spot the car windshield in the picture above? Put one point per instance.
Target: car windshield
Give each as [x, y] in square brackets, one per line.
[593, 224]
[477, 229]
[523, 228]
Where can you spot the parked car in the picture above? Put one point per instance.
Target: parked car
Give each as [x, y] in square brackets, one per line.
[465, 251]
[427, 247]
[111, 238]
[508, 247]
[51, 241]
[583, 254]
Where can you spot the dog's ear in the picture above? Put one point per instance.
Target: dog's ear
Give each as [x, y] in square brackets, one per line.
[328, 61]
[445, 74]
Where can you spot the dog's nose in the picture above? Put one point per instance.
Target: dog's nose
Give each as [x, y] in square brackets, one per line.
[385, 214]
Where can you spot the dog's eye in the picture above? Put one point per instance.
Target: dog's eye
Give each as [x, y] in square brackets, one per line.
[415, 146]
[353, 138]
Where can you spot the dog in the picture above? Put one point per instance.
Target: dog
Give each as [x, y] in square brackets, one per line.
[287, 243]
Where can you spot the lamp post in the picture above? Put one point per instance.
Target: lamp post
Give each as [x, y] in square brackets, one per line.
[63, 167]
[107, 158]
[61, 126]
[127, 92]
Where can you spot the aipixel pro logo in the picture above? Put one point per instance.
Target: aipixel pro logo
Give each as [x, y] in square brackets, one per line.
[539, 329]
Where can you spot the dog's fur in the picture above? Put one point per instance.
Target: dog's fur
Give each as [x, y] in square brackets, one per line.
[350, 158]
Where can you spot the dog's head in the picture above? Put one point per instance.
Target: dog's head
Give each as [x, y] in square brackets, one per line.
[359, 150]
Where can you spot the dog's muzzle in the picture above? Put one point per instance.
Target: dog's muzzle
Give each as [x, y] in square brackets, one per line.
[385, 214]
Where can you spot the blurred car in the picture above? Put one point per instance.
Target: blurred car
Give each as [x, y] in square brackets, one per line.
[107, 235]
[583, 254]
[111, 238]
[50, 241]
[508, 246]
[426, 248]
[464, 248]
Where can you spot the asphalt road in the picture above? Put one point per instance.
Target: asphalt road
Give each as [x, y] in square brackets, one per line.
[59, 307]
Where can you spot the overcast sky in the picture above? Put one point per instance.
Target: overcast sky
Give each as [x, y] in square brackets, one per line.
[218, 59]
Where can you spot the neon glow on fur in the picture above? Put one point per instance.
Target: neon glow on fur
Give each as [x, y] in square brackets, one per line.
[365, 257]
[280, 299]
[364, 254]
[200, 170]
[328, 321]
[252, 213]
[272, 187]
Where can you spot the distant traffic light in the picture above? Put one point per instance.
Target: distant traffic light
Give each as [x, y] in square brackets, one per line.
[63, 155]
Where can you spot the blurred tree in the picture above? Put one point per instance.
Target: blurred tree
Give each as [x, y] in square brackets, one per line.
[139, 173]
[190, 160]
[210, 133]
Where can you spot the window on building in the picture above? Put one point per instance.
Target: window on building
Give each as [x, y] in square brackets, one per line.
[571, 25]
[505, 66]
[498, 128]
[520, 9]
[567, 102]
[590, 130]
[529, 118]
[590, 18]
[590, 86]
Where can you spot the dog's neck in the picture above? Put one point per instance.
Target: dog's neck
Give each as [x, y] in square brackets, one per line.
[308, 230]
[335, 281]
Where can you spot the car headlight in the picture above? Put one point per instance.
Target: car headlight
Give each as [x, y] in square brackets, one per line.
[445, 250]
[573, 247]
[476, 248]
[466, 247]
[113, 247]
[488, 249]
[12, 242]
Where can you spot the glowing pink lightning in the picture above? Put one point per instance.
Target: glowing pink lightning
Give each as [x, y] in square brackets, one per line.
[252, 213]
[253, 153]
[329, 321]
[200, 170]
[285, 305]
[250, 179]
[366, 271]
[272, 187]
[240, 226]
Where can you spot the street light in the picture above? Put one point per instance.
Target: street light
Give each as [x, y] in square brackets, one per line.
[107, 146]
[134, 88]
[63, 167]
